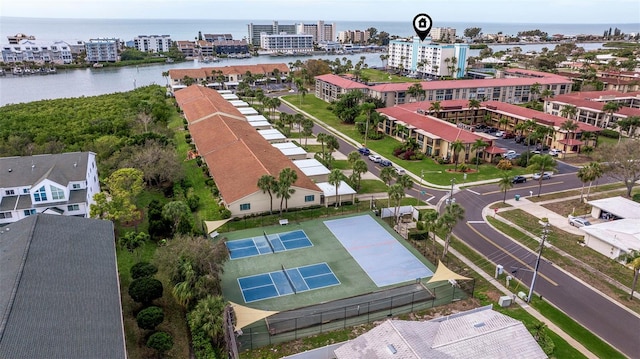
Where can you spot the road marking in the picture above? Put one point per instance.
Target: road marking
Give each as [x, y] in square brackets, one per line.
[430, 198]
[523, 187]
[474, 192]
[511, 255]
[472, 222]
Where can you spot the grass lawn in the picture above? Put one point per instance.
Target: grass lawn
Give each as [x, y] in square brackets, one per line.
[372, 186]
[381, 76]
[340, 164]
[385, 147]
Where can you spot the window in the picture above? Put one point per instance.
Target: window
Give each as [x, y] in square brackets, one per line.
[73, 207]
[245, 206]
[9, 192]
[309, 198]
[56, 193]
[40, 195]
[76, 186]
[4, 215]
[25, 190]
[28, 212]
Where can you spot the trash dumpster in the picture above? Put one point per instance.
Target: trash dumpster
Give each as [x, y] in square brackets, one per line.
[517, 197]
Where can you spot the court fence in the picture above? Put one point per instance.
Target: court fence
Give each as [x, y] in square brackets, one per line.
[303, 323]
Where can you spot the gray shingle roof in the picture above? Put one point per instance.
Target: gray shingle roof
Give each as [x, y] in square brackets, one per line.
[28, 170]
[59, 289]
[478, 333]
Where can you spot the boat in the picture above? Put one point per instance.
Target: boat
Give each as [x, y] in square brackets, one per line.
[98, 65]
[169, 60]
[17, 71]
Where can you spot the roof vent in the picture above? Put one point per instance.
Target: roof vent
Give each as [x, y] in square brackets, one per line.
[479, 325]
[392, 349]
[10, 170]
[75, 164]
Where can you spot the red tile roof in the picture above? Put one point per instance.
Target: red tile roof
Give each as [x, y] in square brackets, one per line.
[595, 100]
[447, 131]
[495, 150]
[341, 82]
[237, 156]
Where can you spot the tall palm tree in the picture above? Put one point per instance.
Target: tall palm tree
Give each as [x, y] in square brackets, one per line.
[384, 58]
[367, 108]
[286, 179]
[165, 74]
[268, 184]
[298, 118]
[431, 225]
[503, 121]
[332, 145]
[535, 90]
[505, 184]
[453, 213]
[474, 104]
[435, 108]
[568, 111]
[207, 315]
[585, 175]
[416, 92]
[352, 157]
[597, 171]
[307, 129]
[299, 86]
[478, 146]
[405, 181]
[542, 163]
[570, 126]
[611, 108]
[632, 259]
[335, 178]
[359, 168]
[457, 147]
[396, 193]
[322, 138]
[387, 174]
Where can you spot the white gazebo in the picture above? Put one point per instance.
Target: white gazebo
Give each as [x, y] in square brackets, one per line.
[345, 193]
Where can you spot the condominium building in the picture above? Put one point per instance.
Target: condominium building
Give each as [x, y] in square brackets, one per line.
[320, 31]
[353, 36]
[62, 184]
[255, 31]
[447, 34]
[286, 43]
[102, 50]
[40, 52]
[427, 59]
[217, 37]
[152, 43]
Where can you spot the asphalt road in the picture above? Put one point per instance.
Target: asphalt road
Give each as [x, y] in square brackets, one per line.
[610, 321]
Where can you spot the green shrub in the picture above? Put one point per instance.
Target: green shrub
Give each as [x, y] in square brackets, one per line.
[418, 235]
[160, 341]
[145, 290]
[149, 318]
[143, 270]
[636, 197]
[609, 133]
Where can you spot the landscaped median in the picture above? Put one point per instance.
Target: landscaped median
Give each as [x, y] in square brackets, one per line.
[434, 172]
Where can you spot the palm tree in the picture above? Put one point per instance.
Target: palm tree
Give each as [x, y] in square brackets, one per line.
[611, 108]
[529, 126]
[367, 108]
[268, 184]
[474, 104]
[435, 107]
[570, 126]
[505, 184]
[431, 225]
[405, 181]
[286, 179]
[457, 147]
[478, 146]
[632, 259]
[299, 86]
[453, 213]
[335, 178]
[396, 193]
[585, 175]
[359, 167]
[535, 90]
[332, 145]
[207, 316]
[416, 91]
[597, 171]
[383, 58]
[322, 137]
[503, 121]
[387, 174]
[298, 119]
[568, 111]
[165, 74]
[352, 157]
[307, 129]
[542, 163]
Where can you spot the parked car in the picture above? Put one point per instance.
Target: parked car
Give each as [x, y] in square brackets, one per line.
[554, 152]
[546, 175]
[508, 135]
[364, 151]
[385, 163]
[512, 156]
[519, 179]
[400, 171]
[375, 158]
[578, 221]
[519, 139]
[499, 134]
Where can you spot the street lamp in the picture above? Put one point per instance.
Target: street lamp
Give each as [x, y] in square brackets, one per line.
[543, 237]
[453, 200]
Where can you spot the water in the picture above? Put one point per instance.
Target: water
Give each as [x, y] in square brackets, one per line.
[91, 82]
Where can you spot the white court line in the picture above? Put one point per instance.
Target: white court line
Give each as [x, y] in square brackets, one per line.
[474, 192]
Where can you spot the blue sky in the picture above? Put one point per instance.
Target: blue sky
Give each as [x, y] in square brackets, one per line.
[494, 11]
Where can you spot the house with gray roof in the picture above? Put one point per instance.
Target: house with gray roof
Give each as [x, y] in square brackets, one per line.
[59, 289]
[478, 333]
[62, 184]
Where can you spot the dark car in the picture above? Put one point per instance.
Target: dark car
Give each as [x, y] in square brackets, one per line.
[519, 179]
[385, 163]
[364, 151]
[519, 139]
[508, 135]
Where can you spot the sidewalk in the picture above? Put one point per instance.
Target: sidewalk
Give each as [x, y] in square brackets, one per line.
[536, 209]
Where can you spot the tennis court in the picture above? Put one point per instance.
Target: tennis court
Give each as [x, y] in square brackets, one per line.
[268, 243]
[378, 253]
[287, 281]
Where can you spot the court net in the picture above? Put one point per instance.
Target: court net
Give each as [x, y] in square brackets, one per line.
[289, 279]
[268, 242]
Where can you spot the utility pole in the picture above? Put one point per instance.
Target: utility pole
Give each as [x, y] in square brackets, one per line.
[543, 237]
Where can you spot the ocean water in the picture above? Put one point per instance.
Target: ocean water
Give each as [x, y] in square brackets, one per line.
[127, 29]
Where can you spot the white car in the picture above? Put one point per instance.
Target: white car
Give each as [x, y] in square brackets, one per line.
[554, 152]
[546, 175]
[578, 221]
[400, 171]
[499, 134]
[375, 158]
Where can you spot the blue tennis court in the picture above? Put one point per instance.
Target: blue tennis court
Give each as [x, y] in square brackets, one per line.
[378, 253]
[273, 243]
[287, 281]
